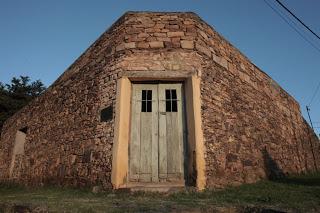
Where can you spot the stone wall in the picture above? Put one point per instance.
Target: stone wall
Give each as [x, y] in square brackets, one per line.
[252, 127]
[66, 142]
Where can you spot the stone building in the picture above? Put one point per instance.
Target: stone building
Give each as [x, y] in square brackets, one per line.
[159, 99]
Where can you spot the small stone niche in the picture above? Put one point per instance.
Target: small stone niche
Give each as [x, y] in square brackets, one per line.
[20, 140]
[18, 148]
[106, 114]
[24, 130]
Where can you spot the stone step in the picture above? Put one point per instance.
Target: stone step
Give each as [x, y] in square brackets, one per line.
[161, 189]
[157, 187]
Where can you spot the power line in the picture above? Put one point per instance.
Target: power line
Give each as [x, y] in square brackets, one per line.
[294, 28]
[314, 94]
[308, 28]
[299, 20]
[308, 109]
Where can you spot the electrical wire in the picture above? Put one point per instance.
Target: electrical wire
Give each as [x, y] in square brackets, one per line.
[299, 20]
[314, 94]
[294, 28]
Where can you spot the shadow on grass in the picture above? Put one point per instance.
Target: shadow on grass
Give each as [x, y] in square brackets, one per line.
[275, 173]
[308, 180]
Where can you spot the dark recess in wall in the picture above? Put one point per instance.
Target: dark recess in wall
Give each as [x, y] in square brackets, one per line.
[106, 114]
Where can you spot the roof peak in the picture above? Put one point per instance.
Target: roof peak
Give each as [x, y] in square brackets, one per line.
[159, 12]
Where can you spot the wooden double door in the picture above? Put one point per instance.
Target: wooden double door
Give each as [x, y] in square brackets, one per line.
[156, 148]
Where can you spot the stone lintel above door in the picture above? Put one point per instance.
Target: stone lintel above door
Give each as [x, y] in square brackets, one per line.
[158, 75]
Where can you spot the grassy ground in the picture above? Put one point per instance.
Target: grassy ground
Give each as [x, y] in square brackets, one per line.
[294, 194]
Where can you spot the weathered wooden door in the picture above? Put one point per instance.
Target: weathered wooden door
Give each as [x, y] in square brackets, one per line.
[156, 149]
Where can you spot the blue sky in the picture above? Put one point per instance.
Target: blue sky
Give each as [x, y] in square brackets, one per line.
[41, 38]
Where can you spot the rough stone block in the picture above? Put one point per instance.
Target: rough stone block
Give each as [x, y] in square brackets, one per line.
[172, 27]
[130, 45]
[143, 35]
[163, 39]
[203, 34]
[188, 22]
[160, 34]
[131, 30]
[159, 26]
[220, 60]
[152, 38]
[203, 49]
[156, 44]
[187, 44]
[120, 47]
[143, 45]
[175, 34]
[170, 44]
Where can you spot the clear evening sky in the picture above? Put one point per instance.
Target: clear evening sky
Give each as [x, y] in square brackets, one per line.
[41, 38]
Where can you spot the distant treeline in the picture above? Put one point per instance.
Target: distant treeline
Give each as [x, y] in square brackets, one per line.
[17, 94]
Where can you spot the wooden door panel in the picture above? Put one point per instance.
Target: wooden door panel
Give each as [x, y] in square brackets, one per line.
[155, 135]
[134, 146]
[156, 138]
[143, 148]
[171, 134]
[146, 144]
[163, 169]
[172, 143]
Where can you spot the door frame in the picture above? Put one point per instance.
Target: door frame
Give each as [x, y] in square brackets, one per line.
[177, 84]
[195, 160]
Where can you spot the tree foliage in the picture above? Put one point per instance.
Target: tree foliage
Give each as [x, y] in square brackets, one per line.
[17, 94]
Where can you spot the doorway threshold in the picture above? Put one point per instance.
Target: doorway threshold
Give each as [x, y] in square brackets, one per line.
[156, 187]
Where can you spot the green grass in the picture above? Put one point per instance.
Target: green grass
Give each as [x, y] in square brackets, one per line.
[299, 193]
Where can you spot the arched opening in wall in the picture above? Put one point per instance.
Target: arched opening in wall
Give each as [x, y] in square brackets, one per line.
[18, 150]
